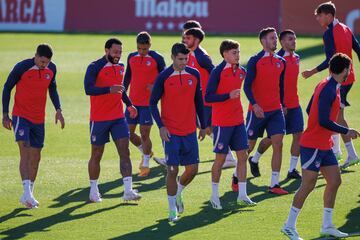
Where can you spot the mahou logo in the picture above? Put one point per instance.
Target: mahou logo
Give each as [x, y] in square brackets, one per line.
[171, 8]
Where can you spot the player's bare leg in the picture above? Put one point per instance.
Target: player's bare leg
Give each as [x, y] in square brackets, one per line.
[94, 172]
[122, 146]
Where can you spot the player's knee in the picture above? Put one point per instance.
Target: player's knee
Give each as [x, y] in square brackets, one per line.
[172, 171]
[334, 183]
[97, 153]
[277, 144]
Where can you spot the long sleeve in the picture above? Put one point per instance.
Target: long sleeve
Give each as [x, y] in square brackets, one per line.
[329, 47]
[282, 81]
[156, 94]
[326, 99]
[250, 76]
[199, 104]
[213, 83]
[356, 46]
[127, 77]
[205, 62]
[10, 83]
[125, 98]
[53, 93]
[90, 80]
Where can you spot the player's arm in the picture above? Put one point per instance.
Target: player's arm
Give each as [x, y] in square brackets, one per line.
[308, 108]
[282, 80]
[10, 83]
[160, 63]
[55, 99]
[211, 96]
[329, 47]
[90, 80]
[326, 99]
[356, 46]
[205, 62]
[199, 103]
[127, 77]
[53, 93]
[250, 77]
[155, 97]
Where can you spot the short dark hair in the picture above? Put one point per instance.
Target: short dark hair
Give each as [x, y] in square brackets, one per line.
[143, 38]
[44, 50]
[196, 32]
[227, 45]
[327, 8]
[265, 31]
[191, 24]
[112, 41]
[339, 62]
[286, 32]
[179, 48]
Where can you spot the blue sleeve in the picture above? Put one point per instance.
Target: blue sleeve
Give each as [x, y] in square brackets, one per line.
[90, 80]
[329, 47]
[127, 77]
[156, 94]
[205, 62]
[282, 80]
[125, 98]
[13, 78]
[326, 99]
[54, 96]
[356, 46]
[210, 95]
[199, 103]
[308, 108]
[250, 76]
[160, 63]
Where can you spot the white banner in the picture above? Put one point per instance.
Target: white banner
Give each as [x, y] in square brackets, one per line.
[32, 15]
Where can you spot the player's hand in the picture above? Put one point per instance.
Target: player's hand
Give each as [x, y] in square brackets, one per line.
[117, 89]
[259, 112]
[208, 130]
[285, 111]
[149, 87]
[59, 117]
[353, 133]
[308, 73]
[165, 134]
[235, 93]
[202, 134]
[6, 121]
[133, 111]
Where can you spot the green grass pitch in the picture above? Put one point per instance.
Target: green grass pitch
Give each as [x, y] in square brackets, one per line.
[62, 185]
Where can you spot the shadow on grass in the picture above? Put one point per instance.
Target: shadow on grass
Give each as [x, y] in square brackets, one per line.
[207, 215]
[15, 213]
[43, 224]
[82, 194]
[352, 225]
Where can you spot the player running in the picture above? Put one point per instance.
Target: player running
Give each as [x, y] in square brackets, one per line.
[315, 148]
[338, 38]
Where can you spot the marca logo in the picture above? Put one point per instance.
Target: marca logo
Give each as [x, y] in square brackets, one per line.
[23, 11]
[32, 15]
[171, 8]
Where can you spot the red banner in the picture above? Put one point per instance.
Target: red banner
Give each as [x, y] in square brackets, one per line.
[229, 16]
